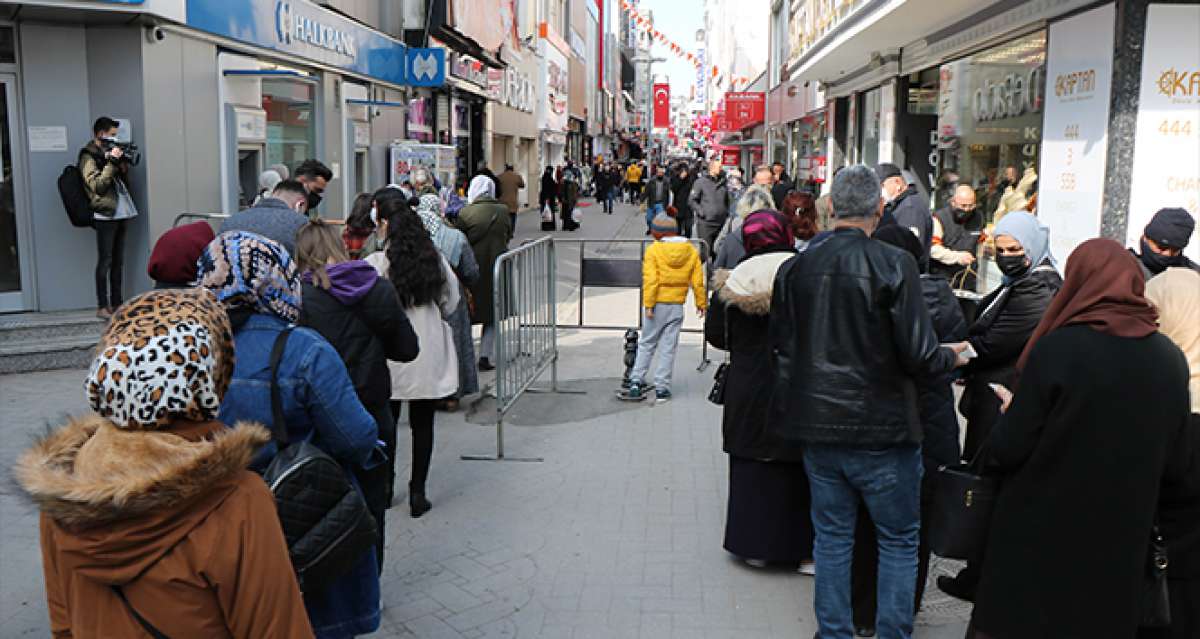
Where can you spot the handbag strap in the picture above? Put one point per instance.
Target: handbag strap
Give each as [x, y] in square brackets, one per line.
[278, 425]
[728, 346]
[146, 625]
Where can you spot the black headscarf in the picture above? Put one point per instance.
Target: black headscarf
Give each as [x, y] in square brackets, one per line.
[903, 238]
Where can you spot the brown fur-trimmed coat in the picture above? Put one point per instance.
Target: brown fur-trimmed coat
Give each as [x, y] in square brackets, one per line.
[172, 518]
[737, 321]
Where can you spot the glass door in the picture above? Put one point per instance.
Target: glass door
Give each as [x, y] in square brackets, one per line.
[14, 256]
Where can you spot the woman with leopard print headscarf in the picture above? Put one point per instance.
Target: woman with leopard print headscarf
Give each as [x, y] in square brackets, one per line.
[259, 286]
[147, 508]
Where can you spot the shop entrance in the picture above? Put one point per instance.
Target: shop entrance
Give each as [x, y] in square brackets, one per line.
[15, 287]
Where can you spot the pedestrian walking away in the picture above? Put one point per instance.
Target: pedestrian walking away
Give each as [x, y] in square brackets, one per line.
[1095, 366]
[510, 185]
[428, 291]
[767, 518]
[484, 222]
[149, 517]
[670, 266]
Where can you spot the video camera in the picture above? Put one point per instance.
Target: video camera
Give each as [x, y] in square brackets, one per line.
[129, 150]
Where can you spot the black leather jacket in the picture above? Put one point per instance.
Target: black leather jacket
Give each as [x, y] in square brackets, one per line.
[850, 333]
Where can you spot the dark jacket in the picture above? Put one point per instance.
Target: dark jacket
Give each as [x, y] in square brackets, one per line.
[910, 209]
[710, 200]
[272, 219]
[658, 191]
[681, 188]
[1179, 517]
[780, 190]
[487, 226]
[935, 393]
[1007, 317]
[850, 333]
[1097, 423]
[956, 236]
[100, 178]
[737, 321]
[549, 190]
[1186, 263]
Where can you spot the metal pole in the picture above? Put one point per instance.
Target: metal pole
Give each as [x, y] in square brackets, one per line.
[581, 243]
[552, 310]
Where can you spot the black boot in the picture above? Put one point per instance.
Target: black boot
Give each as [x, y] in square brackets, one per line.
[417, 503]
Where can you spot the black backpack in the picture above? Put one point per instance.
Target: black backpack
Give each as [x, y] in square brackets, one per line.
[324, 517]
[74, 197]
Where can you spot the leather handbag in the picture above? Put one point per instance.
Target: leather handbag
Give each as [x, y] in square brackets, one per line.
[325, 519]
[1156, 602]
[962, 509]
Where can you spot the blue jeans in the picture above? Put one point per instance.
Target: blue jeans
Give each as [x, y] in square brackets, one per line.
[888, 481]
[609, 195]
[651, 211]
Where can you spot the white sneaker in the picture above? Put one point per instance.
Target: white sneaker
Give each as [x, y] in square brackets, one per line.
[808, 568]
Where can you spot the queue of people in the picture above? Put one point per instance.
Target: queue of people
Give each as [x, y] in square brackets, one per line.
[839, 410]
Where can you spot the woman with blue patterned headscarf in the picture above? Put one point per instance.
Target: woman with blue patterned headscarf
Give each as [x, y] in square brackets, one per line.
[256, 280]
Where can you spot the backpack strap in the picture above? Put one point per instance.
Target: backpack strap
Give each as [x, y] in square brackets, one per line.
[278, 425]
[146, 625]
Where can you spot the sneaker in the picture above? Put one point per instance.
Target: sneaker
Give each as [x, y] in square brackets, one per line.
[808, 568]
[635, 393]
[662, 395]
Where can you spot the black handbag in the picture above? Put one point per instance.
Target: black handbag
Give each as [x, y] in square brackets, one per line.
[324, 517]
[717, 394]
[1156, 602]
[962, 509]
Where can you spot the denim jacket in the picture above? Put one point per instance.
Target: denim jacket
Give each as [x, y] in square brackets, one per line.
[319, 402]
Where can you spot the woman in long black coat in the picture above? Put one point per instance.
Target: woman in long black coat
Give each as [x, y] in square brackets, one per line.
[768, 517]
[1099, 420]
[548, 195]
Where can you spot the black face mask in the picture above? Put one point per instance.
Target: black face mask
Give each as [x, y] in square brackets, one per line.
[1159, 263]
[1013, 266]
[313, 199]
[960, 215]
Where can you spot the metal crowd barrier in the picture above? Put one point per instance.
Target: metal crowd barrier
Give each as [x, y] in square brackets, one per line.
[624, 272]
[198, 216]
[524, 306]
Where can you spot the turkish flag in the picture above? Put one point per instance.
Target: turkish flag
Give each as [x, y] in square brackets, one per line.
[662, 106]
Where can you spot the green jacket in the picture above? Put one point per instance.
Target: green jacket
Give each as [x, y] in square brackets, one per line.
[486, 224]
[99, 179]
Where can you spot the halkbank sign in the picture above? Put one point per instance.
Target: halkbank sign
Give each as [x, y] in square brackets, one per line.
[306, 31]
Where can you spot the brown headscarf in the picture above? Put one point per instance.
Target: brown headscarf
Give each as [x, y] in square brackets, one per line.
[1103, 288]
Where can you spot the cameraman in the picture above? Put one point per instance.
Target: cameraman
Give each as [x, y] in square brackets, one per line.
[105, 170]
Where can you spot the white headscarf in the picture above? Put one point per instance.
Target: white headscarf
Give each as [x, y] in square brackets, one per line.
[481, 185]
[1176, 294]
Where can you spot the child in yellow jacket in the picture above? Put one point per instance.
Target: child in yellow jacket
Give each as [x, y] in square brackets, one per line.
[670, 267]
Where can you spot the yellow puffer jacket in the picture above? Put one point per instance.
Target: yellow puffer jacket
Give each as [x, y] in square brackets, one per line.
[633, 173]
[669, 267]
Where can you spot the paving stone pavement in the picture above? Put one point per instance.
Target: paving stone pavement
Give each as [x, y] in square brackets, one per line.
[617, 533]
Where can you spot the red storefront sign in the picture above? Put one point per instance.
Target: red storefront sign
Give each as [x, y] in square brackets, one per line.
[720, 122]
[662, 106]
[745, 108]
[730, 155]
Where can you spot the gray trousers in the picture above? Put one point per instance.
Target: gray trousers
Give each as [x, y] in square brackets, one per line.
[708, 232]
[659, 333]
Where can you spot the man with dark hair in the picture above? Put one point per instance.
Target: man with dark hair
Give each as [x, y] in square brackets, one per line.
[278, 217]
[905, 206]
[508, 191]
[850, 333]
[1163, 241]
[315, 177]
[782, 185]
[105, 172]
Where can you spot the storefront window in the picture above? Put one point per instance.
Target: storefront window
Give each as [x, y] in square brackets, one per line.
[291, 122]
[420, 119]
[809, 137]
[872, 103]
[989, 123]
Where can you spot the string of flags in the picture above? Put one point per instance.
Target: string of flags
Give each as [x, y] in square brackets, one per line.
[645, 25]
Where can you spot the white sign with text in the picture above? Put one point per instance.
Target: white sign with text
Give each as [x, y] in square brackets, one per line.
[1075, 143]
[1166, 152]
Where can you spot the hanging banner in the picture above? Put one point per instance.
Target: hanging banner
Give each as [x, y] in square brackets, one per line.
[745, 108]
[1166, 155]
[662, 106]
[1075, 125]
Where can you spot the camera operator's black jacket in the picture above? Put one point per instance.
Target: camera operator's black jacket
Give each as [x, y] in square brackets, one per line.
[850, 333]
[99, 179]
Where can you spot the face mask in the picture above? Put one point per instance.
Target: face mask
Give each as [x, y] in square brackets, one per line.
[1159, 263]
[883, 193]
[1013, 266]
[960, 215]
[314, 200]
[374, 215]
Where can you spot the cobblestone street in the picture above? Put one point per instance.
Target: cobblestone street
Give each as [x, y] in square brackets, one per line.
[617, 533]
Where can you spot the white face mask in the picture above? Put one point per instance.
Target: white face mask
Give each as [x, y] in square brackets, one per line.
[374, 215]
[883, 192]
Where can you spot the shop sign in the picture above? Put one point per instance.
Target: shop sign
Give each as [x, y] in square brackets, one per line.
[577, 45]
[744, 108]
[1166, 164]
[467, 68]
[731, 157]
[1009, 96]
[512, 88]
[701, 77]
[556, 87]
[303, 29]
[427, 67]
[1075, 142]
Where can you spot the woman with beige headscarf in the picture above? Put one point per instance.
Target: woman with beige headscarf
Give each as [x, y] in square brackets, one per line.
[1176, 295]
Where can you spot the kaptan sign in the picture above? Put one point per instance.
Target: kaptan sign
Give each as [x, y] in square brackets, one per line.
[1166, 152]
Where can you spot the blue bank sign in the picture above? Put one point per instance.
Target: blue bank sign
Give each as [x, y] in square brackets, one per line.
[303, 29]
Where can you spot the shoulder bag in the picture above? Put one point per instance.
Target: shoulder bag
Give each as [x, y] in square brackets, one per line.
[324, 517]
[963, 501]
